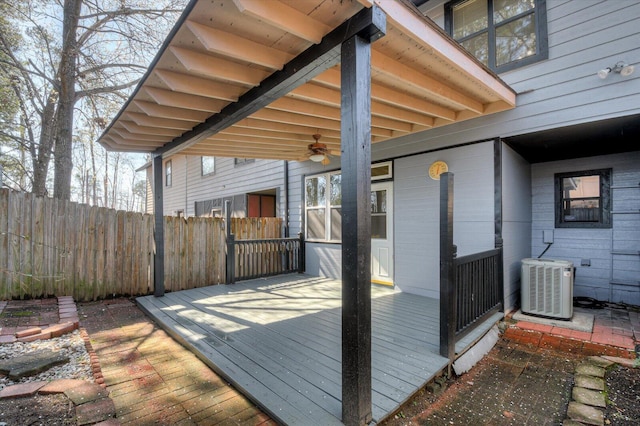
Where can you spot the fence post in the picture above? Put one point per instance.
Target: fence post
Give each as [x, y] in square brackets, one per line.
[301, 254]
[448, 304]
[231, 247]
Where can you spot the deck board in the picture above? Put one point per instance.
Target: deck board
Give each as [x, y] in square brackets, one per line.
[278, 341]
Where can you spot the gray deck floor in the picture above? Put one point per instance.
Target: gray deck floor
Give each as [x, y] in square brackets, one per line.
[278, 341]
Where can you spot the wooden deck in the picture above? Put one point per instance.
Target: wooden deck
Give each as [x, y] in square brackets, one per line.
[278, 341]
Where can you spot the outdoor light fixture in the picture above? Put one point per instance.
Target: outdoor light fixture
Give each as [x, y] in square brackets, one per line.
[316, 158]
[621, 68]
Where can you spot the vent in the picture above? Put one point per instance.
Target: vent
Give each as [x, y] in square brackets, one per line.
[547, 288]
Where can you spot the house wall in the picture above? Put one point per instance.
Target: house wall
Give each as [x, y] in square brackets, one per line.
[417, 215]
[584, 37]
[516, 221]
[596, 245]
[228, 179]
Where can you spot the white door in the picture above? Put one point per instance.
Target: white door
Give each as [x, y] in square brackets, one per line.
[382, 233]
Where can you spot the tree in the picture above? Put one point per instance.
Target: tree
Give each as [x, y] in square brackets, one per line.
[77, 54]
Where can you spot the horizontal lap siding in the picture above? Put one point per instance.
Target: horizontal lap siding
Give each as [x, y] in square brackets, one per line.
[417, 213]
[228, 179]
[596, 245]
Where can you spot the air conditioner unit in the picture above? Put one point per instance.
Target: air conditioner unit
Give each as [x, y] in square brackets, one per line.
[547, 288]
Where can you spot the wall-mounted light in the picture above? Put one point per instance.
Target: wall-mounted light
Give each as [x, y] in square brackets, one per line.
[621, 68]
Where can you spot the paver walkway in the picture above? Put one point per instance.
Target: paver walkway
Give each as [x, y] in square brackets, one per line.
[154, 380]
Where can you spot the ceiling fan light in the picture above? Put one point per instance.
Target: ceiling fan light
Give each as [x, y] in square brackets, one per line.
[316, 158]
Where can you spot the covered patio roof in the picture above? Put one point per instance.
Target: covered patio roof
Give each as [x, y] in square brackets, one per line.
[255, 79]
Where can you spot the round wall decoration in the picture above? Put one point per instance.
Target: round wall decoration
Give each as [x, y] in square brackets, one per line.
[437, 168]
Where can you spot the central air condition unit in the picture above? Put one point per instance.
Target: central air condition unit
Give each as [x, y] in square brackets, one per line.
[547, 288]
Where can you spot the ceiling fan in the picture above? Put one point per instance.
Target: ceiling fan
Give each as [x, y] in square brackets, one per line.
[318, 152]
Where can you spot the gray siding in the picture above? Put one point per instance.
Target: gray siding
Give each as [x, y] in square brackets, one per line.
[228, 179]
[584, 37]
[516, 221]
[575, 244]
[417, 216]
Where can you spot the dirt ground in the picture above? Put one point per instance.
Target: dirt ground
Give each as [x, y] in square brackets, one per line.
[50, 410]
[623, 396]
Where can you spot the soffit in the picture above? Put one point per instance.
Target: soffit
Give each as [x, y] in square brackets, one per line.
[221, 49]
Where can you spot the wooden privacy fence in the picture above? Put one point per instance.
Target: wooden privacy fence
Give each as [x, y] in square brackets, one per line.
[50, 247]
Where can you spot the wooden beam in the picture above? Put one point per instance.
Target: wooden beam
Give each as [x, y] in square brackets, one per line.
[326, 96]
[285, 18]
[387, 95]
[232, 46]
[298, 71]
[186, 83]
[423, 83]
[174, 99]
[158, 227]
[356, 231]
[273, 126]
[287, 136]
[156, 110]
[241, 139]
[134, 128]
[217, 68]
[127, 135]
[164, 123]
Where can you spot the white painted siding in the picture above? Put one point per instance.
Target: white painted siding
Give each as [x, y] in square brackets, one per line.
[516, 221]
[596, 245]
[584, 37]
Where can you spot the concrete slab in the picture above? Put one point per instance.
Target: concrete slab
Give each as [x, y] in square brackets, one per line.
[585, 414]
[589, 397]
[590, 370]
[28, 365]
[21, 390]
[86, 392]
[589, 382]
[581, 321]
[96, 411]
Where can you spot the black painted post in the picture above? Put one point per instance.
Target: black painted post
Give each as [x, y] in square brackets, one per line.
[158, 227]
[499, 242]
[301, 254]
[500, 270]
[231, 246]
[447, 279]
[356, 231]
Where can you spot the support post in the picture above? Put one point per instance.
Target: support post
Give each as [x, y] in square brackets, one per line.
[231, 246]
[448, 295]
[356, 231]
[301, 254]
[499, 242]
[158, 227]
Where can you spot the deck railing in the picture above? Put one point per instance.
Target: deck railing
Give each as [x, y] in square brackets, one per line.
[478, 278]
[248, 259]
[471, 287]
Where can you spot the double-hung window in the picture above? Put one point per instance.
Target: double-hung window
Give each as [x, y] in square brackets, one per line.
[502, 34]
[583, 199]
[323, 207]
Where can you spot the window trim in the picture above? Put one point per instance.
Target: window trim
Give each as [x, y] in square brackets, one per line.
[542, 37]
[202, 173]
[327, 207]
[237, 161]
[168, 173]
[605, 199]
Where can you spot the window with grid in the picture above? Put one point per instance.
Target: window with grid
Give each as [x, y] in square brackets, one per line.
[502, 34]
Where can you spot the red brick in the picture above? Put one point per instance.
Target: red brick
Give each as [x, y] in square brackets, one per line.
[582, 335]
[61, 385]
[28, 332]
[10, 338]
[60, 329]
[559, 331]
[39, 336]
[23, 389]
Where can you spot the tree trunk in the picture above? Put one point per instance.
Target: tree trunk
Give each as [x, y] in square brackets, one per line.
[63, 160]
[41, 156]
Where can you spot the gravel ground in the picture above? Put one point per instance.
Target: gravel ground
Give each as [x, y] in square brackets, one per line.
[623, 397]
[70, 345]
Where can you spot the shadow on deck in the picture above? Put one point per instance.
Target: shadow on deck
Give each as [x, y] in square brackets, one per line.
[278, 341]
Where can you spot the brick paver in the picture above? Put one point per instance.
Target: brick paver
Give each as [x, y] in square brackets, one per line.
[152, 379]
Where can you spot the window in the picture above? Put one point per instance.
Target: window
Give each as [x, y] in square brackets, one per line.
[208, 165]
[380, 171]
[502, 34]
[583, 199]
[241, 161]
[167, 173]
[323, 202]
